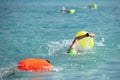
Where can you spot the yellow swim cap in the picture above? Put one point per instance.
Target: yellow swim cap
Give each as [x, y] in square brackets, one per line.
[72, 11]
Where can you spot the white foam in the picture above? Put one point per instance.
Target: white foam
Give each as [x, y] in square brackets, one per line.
[53, 47]
[57, 69]
[101, 42]
[118, 46]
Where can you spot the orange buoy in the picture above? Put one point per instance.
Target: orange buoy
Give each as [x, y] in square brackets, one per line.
[34, 64]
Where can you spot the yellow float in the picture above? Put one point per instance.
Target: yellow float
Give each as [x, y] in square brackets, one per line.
[72, 11]
[85, 43]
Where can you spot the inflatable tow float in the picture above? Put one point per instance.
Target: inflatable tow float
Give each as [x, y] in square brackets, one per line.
[34, 64]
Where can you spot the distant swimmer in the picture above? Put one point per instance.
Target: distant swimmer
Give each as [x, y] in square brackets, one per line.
[93, 6]
[64, 10]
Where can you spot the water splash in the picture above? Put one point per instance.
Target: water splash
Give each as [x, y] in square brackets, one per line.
[57, 69]
[54, 47]
[101, 42]
[118, 46]
[6, 72]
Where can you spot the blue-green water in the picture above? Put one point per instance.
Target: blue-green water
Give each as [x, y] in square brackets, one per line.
[37, 29]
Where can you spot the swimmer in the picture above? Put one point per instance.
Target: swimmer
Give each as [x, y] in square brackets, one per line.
[64, 10]
[43, 65]
[73, 45]
[93, 6]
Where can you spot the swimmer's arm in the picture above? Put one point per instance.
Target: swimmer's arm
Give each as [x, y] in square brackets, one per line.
[86, 35]
[76, 40]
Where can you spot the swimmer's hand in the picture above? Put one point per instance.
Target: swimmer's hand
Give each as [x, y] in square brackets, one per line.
[92, 35]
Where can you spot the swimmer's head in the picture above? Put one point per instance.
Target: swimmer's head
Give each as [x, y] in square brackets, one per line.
[48, 61]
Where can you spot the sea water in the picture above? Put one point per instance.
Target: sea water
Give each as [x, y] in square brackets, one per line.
[37, 29]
